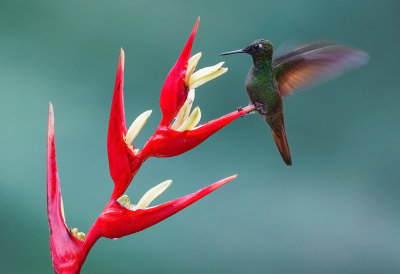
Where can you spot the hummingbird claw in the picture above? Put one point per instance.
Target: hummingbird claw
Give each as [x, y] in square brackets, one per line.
[260, 108]
[248, 113]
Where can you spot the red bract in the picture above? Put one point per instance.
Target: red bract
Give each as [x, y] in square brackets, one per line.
[63, 244]
[167, 142]
[119, 218]
[123, 163]
[174, 91]
[117, 221]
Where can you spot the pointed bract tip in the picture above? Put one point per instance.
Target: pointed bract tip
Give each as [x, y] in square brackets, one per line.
[197, 22]
[194, 31]
[51, 111]
[230, 178]
[122, 57]
[224, 181]
[51, 117]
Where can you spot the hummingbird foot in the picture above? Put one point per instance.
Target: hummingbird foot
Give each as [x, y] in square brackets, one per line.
[260, 108]
[250, 112]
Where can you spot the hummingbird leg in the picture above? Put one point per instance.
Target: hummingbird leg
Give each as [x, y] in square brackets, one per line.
[260, 108]
[251, 112]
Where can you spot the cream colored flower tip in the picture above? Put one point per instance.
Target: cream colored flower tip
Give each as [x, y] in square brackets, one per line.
[136, 126]
[184, 112]
[153, 193]
[204, 75]
[192, 63]
[125, 202]
[79, 235]
[62, 209]
[191, 121]
[194, 80]
[147, 198]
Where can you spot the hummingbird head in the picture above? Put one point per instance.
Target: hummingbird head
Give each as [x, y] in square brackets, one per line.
[259, 49]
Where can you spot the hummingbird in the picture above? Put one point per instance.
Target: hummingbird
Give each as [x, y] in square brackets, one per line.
[270, 79]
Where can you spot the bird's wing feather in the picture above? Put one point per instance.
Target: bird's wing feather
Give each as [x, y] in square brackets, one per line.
[313, 64]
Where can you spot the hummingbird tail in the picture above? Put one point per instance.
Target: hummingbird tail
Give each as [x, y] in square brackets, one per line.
[282, 144]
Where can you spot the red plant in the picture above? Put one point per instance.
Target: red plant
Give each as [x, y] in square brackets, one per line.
[119, 218]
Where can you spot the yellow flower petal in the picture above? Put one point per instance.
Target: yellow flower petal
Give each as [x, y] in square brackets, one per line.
[206, 74]
[81, 236]
[62, 210]
[74, 231]
[153, 193]
[192, 63]
[192, 120]
[183, 113]
[136, 126]
[125, 202]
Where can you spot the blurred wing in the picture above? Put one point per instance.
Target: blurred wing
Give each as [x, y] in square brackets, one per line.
[313, 64]
[301, 50]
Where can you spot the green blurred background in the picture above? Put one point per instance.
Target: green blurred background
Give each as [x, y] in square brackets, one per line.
[336, 210]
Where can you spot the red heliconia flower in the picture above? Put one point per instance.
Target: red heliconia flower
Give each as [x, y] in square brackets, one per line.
[69, 247]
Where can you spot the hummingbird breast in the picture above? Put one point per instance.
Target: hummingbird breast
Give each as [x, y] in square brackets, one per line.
[262, 90]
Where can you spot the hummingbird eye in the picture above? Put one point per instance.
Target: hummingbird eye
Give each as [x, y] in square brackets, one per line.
[257, 46]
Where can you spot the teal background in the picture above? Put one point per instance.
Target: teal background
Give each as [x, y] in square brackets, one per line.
[336, 210]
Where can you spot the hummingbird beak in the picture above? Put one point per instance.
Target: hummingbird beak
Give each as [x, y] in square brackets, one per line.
[233, 52]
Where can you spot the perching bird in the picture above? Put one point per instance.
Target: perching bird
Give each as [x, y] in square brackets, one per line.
[271, 79]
